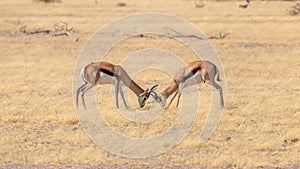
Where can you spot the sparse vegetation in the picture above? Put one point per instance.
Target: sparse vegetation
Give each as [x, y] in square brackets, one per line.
[121, 4]
[198, 3]
[48, 1]
[294, 9]
[260, 127]
[59, 29]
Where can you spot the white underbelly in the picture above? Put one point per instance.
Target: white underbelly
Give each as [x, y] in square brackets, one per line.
[105, 79]
[195, 79]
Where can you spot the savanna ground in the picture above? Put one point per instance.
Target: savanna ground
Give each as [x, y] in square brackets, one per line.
[261, 59]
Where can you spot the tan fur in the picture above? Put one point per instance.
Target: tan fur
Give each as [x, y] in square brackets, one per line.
[92, 76]
[208, 74]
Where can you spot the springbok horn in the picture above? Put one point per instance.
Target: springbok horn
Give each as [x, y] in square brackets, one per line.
[154, 87]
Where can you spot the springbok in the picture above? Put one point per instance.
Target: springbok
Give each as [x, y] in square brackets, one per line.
[192, 74]
[107, 73]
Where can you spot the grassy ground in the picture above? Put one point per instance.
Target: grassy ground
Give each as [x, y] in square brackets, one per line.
[261, 124]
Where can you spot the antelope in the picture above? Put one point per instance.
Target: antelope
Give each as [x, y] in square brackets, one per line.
[201, 71]
[107, 73]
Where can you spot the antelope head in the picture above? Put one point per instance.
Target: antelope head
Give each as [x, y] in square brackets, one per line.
[146, 94]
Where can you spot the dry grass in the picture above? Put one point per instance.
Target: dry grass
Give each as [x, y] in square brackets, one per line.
[294, 9]
[121, 4]
[48, 1]
[261, 126]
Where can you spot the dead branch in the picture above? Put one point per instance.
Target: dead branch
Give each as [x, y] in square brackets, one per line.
[179, 35]
[61, 34]
[23, 29]
[60, 29]
[185, 36]
[39, 31]
[219, 37]
[176, 32]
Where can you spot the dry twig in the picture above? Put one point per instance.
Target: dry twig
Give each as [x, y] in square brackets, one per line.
[60, 29]
[23, 30]
[220, 36]
[179, 35]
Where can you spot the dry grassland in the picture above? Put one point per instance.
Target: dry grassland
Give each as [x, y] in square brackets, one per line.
[261, 59]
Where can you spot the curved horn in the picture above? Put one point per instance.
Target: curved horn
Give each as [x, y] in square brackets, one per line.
[154, 87]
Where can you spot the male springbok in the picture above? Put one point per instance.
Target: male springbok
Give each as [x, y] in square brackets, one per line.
[107, 73]
[192, 74]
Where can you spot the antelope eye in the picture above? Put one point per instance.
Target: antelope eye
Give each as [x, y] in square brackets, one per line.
[144, 98]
